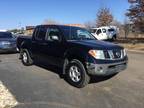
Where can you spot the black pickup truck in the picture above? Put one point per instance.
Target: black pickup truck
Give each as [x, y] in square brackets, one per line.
[74, 49]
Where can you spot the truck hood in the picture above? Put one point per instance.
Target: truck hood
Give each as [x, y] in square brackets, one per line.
[8, 39]
[96, 44]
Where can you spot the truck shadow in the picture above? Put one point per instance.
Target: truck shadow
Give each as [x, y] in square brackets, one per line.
[8, 53]
[96, 79]
[50, 68]
[57, 70]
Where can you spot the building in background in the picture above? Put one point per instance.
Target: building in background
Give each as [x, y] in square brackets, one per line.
[29, 30]
[77, 25]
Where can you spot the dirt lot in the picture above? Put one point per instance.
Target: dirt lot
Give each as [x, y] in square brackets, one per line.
[39, 87]
[130, 46]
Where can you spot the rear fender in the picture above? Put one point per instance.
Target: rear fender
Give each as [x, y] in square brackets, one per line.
[25, 46]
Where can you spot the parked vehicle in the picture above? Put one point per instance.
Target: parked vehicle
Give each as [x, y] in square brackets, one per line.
[105, 33]
[7, 42]
[75, 50]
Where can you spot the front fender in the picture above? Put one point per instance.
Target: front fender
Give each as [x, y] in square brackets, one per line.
[74, 53]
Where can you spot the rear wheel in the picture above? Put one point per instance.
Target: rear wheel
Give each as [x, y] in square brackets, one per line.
[76, 74]
[26, 58]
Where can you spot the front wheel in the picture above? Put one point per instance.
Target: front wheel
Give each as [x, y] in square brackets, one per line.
[26, 58]
[76, 74]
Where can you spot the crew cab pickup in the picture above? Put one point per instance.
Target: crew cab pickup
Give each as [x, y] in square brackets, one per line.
[74, 49]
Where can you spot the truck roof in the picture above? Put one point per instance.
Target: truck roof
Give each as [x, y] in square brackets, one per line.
[54, 25]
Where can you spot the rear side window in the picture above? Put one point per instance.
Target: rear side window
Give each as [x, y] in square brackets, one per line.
[40, 33]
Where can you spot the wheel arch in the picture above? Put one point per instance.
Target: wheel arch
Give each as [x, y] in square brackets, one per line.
[25, 46]
[71, 55]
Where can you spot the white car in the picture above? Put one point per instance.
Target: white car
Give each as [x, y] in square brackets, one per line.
[105, 32]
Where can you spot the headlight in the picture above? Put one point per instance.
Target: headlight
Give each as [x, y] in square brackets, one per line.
[97, 54]
[4, 43]
[124, 52]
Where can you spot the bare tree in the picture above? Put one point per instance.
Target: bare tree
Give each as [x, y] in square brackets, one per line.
[104, 17]
[116, 23]
[136, 15]
[89, 24]
[126, 28]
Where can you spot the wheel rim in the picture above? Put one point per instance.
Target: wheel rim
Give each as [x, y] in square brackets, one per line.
[25, 57]
[74, 73]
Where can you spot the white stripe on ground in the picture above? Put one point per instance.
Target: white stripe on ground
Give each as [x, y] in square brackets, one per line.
[6, 98]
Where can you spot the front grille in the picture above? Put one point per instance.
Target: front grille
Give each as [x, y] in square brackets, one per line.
[106, 54]
[113, 54]
[117, 54]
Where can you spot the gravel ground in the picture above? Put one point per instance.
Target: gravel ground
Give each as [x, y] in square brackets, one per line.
[133, 46]
[7, 100]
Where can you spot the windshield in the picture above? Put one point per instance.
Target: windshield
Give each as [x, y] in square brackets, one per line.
[111, 30]
[5, 35]
[93, 30]
[76, 33]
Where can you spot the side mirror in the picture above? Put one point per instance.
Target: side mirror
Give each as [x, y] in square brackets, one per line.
[55, 38]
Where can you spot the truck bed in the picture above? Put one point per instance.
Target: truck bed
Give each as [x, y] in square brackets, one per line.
[22, 39]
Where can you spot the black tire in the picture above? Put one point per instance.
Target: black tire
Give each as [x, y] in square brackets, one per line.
[84, 77]
[114, 38]
[26, 58]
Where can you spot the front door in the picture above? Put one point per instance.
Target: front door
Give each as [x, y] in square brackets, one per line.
[54, 48]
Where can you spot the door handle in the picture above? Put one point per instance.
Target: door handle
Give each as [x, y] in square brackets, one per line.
[43, 43]
[39, 43]
[33, 41]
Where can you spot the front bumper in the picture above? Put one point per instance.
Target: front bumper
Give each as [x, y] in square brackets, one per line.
[106, 69]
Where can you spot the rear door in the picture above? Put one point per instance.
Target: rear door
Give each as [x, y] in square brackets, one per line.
[38, 42]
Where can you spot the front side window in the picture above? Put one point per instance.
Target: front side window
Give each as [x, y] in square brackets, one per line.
[99, 31]
[52, 34]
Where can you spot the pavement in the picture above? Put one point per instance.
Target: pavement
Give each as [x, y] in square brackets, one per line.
[43, 87]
